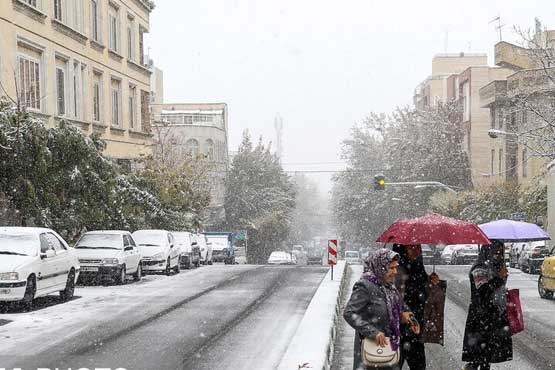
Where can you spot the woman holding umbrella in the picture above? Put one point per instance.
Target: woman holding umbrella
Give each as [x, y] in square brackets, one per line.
[487, 338]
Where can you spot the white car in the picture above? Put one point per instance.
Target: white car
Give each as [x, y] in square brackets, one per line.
[280, 258]
[205, 249]
[352, 257]
[190, 254]
[159, 254]
[35, 262]
[111, 254]
[447, 253]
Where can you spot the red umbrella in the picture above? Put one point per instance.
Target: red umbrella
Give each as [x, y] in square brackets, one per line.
[434, 229]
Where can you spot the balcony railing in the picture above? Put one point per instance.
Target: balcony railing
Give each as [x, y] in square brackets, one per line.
[495, 91]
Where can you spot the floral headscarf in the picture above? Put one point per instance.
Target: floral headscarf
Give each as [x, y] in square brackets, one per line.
[375, 271]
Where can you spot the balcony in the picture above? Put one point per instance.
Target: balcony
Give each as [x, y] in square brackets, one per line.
[530, 81]
[511, 56]
[495, 91]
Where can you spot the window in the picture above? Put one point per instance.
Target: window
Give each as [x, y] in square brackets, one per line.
[60, 91]
[95, 21]
[29, 82]
[31, 2]
[500, 161]
[501, 119]
[78, 85]
[97, 97]
[131, 40]
[145, 111]
[192, 147]
[141, 46]
[492, 171]
[114, 30]
[58, 10]
[188, 120]
[209, 149]
[116, 102]
[132, 106]
[524, 162]
[492, 117]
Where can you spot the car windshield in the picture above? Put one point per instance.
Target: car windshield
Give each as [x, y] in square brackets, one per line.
[100, 241]
[148, 239]
[18, 244]
[351, 254]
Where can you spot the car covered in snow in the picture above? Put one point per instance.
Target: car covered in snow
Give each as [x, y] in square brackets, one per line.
[190, 252]
[447, 254]
[280, 258]
[158, 250]
[532, 256]
[352, 257]
[465, 254]
[109, 254]
[204, 247]
[35, 262]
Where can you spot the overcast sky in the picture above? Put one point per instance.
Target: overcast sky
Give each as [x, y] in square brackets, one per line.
[323, 65]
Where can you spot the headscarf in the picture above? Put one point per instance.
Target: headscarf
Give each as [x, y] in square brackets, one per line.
[375, 271]
[487, 252]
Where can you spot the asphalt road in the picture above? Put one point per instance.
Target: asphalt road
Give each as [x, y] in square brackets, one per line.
[533, 349]
[243, 320]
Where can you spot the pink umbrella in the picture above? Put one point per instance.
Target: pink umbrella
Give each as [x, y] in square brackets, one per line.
[433, 229]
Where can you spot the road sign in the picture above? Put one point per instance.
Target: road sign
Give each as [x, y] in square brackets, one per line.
[518, 216]
[241, 235]
[332, 252]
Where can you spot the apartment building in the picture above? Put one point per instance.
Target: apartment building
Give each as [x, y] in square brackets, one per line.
[513, 159]
[193, 129]
[81, 61]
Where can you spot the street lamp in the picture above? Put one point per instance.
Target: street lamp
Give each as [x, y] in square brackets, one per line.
[494, 133]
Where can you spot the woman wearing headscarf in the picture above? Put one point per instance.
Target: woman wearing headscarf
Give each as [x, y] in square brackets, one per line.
[412, 281]
[487, 338]
[374, 309]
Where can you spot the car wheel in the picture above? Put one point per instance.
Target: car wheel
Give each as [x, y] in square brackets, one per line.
[67, 293]
[137, 276]
[544, 293]
[122, 277]
[210, 262]
[30, 290]
[168, 267]
[177, 267]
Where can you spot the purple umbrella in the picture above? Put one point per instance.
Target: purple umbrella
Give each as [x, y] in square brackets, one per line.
[513, 231]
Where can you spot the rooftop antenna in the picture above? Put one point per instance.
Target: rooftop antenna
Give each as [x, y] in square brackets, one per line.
[499, 26]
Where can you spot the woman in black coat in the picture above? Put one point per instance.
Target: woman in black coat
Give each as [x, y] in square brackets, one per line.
[487, 337]
[374, 309]
[411, 282]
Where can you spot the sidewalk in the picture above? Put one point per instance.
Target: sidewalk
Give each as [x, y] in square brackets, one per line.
[344, 342]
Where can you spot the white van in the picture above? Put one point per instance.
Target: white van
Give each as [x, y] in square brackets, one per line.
[190, 254]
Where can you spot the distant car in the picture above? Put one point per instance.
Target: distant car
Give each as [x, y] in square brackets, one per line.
[298, 249]
[222, 247]
[515, 252]
[158, 251]
[280, 258]
[532, 256]
[190, 254]
[447, 254]
[465, 254]
[240, 255]
[427, 254]
[546, 281]
[364, 253]
[205, 249]
[352, 257]
[109, 254]
[35, 262]
[314, 255]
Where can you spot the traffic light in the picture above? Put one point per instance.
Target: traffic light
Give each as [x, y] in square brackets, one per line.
[379, 182]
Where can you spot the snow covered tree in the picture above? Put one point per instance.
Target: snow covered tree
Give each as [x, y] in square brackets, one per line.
[259, 198]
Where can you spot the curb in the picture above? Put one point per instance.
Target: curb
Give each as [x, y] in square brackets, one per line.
[313, 343]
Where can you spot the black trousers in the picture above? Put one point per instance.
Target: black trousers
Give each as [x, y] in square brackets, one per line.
[413, 353]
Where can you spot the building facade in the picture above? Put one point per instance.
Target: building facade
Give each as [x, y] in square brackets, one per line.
[81, 61]
[193, 129]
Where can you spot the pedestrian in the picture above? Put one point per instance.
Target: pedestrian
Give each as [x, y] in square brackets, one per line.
[374, 309]
[487, 337]
[412, 282]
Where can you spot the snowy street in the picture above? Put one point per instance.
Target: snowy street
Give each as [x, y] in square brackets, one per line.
[533, 349]
[215, 317]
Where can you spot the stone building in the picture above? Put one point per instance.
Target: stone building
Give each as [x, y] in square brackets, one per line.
[81, 61]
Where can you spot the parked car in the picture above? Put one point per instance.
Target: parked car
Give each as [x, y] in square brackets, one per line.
[532, 256]
[35, 262]
[364, 253]
[190, 254]
[515, 252]
[546, 281]
[465, 254]
[314, 255]
[447, 254]
[159, 253]
[109, 254]
[352, 257]
[427, 254]
[222, 247]
[205, 249]
[280, 258]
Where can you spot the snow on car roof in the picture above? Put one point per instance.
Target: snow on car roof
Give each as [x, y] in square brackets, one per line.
[108, 232]
[23, 230]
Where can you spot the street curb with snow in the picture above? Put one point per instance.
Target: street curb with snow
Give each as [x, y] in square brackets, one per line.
[314, 339]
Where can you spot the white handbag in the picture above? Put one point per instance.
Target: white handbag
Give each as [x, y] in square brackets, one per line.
[374, 356]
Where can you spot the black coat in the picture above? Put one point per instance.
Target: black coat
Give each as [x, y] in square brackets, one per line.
[487, 337]
[366, 311]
